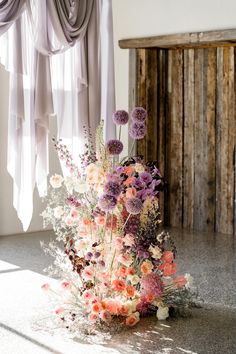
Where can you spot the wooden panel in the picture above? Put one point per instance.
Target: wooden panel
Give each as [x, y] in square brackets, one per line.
[188, 149]
[218, 38]
[132, 91]
[175, 158]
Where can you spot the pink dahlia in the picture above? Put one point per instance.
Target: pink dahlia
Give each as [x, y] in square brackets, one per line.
[152, 284]
[120, 117]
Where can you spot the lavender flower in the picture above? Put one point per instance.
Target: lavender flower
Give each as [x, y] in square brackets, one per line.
[107, 202]
[146, 177]
[152, 284]
[114, 147]
[120, 117]
[139, 114]
[134, 206]
[137, 130]
[112, 188]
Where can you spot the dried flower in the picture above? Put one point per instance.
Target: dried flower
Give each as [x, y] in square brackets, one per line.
[137, 130]
[134, 206]
[139, 114]
[107, 202]
[120, 117]
[152, 284]
[114, 147]
[112, 188]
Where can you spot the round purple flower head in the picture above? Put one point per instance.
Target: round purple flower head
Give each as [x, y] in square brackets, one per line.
[114, 147]
[139, 114]
[134, 206]
[112, 188]
[120, 117]
[107, 202]
[152, 284]
[137, 130]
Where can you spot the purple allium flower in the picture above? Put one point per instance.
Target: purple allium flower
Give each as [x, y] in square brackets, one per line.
[152, 284]
[120, 117]
[112, 188]
[114, 147]
[137, 130]
[134, 206]
[145, 177]
[107, 202]
[139, 114]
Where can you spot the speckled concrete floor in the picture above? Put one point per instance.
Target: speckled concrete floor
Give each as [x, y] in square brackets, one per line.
[211, 259]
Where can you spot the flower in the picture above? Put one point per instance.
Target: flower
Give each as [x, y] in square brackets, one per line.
[56, 181]
[134, 206]
[146, 267]
[114, 147]
[129, 240]
[100, 220]
[112, 188]
[168, 269]
[155, 252]
[81, 187]
[152, 284]
[145, 177]
[66, 285]
[130, 192]
[97, 307]
[139, 114]
[59, 311]
[105, 316]
[107, 202]
[162, 313]
[88, 273]
[93, 316]
[168, 257]
[120, 117]
[45, 287]
[132, 319]
[58, 212]
[134, 279]
[189, 281]
[180, 281]
[125, 259]
[118, 285]
[130, 291]
[137, 130]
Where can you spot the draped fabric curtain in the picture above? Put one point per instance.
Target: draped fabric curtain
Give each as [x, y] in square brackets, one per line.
[56, 52]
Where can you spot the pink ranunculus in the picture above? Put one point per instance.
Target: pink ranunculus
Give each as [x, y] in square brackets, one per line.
[105, 316]
[45, 287]
[125, 259]
[180, 281]
[132, 319]
[168, 256]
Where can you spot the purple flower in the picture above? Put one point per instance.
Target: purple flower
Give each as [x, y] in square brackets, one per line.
[120, 117]
[139, 114]
[132, 225]
[146, 177]
[144, 308]
[144, 193]
[112, 188]
[107, 202]
[138, 183]
[141, 253]
[134, 206]
[152, 284]
[120, 169]
[114, 147]
[137, 130]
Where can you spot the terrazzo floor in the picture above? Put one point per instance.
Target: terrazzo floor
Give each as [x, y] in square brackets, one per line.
[211, 329]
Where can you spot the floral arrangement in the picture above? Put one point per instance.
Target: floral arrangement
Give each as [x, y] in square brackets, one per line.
[116, 264]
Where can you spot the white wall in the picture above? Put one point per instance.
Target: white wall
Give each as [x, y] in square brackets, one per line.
[132, 18]
[138, 18]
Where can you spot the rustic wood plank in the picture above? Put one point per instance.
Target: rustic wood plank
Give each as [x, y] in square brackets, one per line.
[188, 172]
[151, 104]
[226, 37]
[141, 92]
[211, 143]
[176, 139]
[132, 89]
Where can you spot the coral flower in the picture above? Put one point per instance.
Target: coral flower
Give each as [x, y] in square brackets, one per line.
[113, 306]
[129, 170]
[118, 285]
[97, 307]
[129, 180]
[87, 295]
[131, 192]
[130, 291]
[121, 272]
[168, 269]
[105, 316]
[125, 259]
[132, 319]
[86, 221]
[124, 310]
[146, 267]
[130, 271]
[180, 281]
[168, 256]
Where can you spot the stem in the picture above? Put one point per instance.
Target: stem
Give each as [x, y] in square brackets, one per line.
[120, 132]
[130, 152]
[126, 221]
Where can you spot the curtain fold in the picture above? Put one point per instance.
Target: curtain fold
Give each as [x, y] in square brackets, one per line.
[55, 71]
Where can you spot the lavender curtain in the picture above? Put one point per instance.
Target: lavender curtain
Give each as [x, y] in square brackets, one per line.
[67, 84]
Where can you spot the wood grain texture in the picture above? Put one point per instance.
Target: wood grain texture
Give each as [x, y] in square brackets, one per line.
[226, 37]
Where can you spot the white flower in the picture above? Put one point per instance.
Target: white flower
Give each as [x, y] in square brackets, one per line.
[134, 279]
[69, 183]
[162, 313]
[139, 168]
[56, 181]
[189, 280]
[81, 187]
[155, 251]
[58, 212]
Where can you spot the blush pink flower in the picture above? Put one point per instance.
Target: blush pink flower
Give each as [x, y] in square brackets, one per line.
[132, 320]
[129, 240]
[74, 214]
[131, 192]
[97, 307]
[105, 316]
[113, 306]
[180, 281]
[88, 273]
[119, 243]
[59, 311]
[168, 257]
[66, 285]
[125, 259]
[45, 287]
[100, 220]
[93, 316]
[88, 295]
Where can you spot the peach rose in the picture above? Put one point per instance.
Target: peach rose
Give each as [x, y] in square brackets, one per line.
[105, 316]
[123, 310]
[129, 170]
[97, 307]
[129, 180]
[130, 291]
[118, 285]
[86, 221]
[146, 267]
[121, 272]
[132, 319]
[168, 269]
[56, 181]
[180, 281]
[119, 243]
[93, 316]
[131, 271]
[130, 192]
[113, 306]
[125, 259]
[168, 257]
